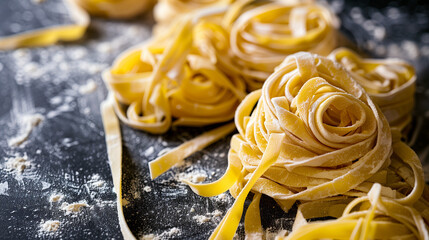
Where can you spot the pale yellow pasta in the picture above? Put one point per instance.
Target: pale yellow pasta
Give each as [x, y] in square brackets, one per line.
[389, 82]
[166, 11]
[254, 38]
[156, 86]
[115, 8]
[367, 217]
[312, 133]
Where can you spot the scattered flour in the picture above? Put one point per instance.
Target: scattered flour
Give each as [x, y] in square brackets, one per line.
[96, 181]
[271, 235]
[27, 122]
[147, 189]
[149, 151]
[196, 176]
[56, 197]
[4, 187]
[49, 226]
[173, 232]
[73, 208]
[200, 219]
[17, 163]
[89, 87]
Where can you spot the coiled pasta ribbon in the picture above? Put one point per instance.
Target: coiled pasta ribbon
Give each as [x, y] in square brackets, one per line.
[367, 217]
[153, 84]
[311, 133]
[155, 87]
[78, 12]
[389, 82]
[254, 38]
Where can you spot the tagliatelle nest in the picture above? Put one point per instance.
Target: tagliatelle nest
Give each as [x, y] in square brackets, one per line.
[389, 82]
[254, 38]
[155, 87]
[314, 134]
[115, 8]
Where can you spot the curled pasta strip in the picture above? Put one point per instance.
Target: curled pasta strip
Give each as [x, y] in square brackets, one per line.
[115, 8]
[328, 139]
[389, 82]
[167, 10]
[256, 38]
[367, 217]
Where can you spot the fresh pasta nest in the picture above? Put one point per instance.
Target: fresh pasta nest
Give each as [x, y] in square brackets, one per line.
[257, 37]
[151, 96]
[115, 8]
[389, 82]
[312, 134]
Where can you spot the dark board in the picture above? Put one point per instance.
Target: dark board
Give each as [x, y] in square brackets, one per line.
[71, 140]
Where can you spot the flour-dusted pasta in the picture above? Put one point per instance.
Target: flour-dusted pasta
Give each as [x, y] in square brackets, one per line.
[312, 133]
[390, 83]
[256, 37]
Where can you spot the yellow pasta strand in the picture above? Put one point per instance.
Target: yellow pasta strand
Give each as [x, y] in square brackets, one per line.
[166, 11]
[389, 82]
[115, 8]
[114, 153]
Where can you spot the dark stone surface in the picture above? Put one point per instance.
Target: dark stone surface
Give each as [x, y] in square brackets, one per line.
[71, 138]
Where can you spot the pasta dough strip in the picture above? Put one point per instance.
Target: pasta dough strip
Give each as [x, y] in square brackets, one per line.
[114, 152]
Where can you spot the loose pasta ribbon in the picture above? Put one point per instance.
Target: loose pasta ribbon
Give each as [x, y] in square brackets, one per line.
[389, 82]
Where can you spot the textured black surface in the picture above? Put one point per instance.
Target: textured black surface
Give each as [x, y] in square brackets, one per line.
[71, 139]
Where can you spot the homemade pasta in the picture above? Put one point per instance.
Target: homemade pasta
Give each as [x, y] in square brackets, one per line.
[254, 38]
[366, 217]
[115, 8]
[389, 82]
[167, 10]
[156, 86]
[312, 133]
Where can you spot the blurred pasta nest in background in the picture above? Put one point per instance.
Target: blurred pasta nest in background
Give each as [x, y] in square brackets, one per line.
[121, 9]
[253, 38]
